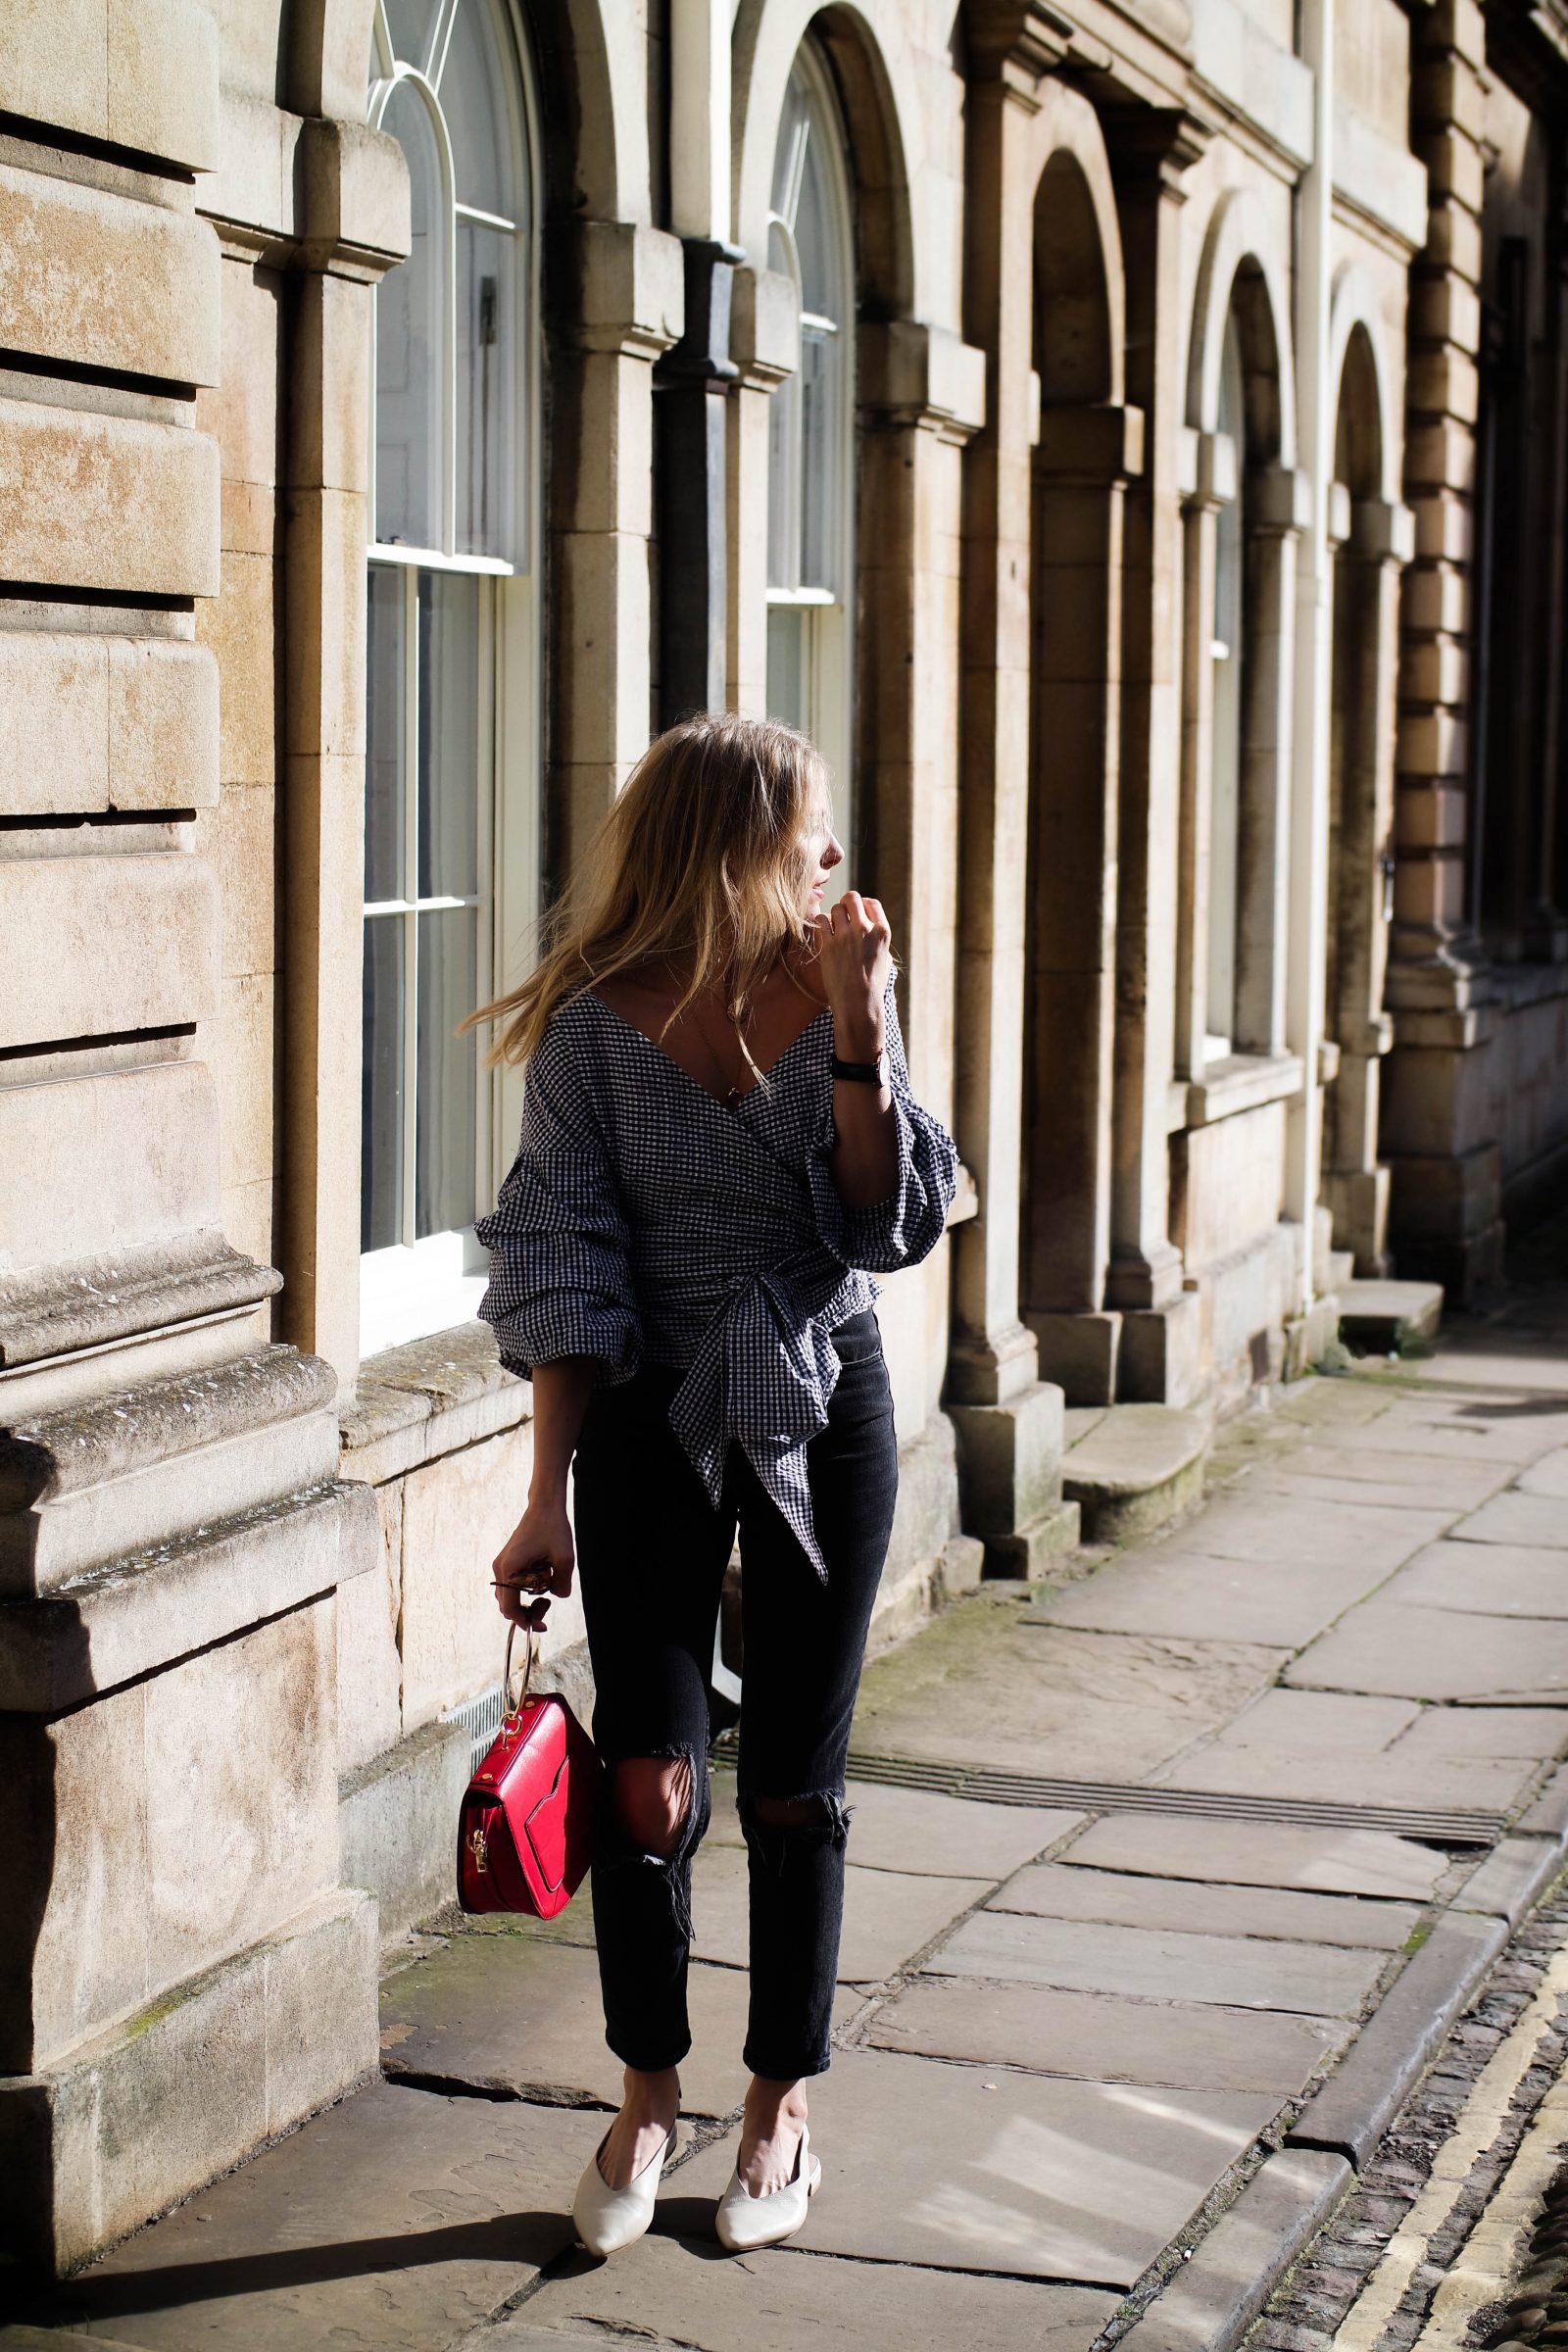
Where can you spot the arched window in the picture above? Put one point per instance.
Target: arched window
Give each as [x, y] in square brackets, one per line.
[1225, 752]
[810, 523]
[451, 818]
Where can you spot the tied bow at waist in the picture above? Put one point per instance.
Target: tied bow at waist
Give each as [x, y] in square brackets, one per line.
[762, 1374]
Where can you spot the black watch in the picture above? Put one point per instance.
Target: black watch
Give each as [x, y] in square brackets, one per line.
[864, 1073]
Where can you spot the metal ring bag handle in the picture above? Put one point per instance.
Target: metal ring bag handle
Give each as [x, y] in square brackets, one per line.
[514, 1706]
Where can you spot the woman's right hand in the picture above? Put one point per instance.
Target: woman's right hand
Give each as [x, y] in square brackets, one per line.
[534, 1564]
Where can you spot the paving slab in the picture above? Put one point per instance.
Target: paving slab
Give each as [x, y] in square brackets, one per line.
[1285, 1529]
[1539, 1732]
[1334, 1721]
[1152, 1964]
[1458, 1429]
[1195, 1596]
[1248, 1854]
[1099, 2038]
[1368, 2088]
[1436, 1480]
[1491, 1580]
[1038, 2175]
[1493, 1359]
[1210, 2302]
[394, 2223]
[1411, 1782]
[683, 2290]
[1056, 1890]
[887, 1915]
[1515, 1518]
[520, 2019]
[1459, 1487]
[920, 1833]
[1434, 1653]
[1548, 1476]
[981, 1687]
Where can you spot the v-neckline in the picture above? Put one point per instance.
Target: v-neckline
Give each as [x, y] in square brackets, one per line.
[680, 1069]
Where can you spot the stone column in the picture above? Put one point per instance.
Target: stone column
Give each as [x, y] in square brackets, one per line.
[693, 382]
[182, 1973]
[626, 306]
[1370, 543]
[1008, 1421]
[355, 187]
[1086, 457]
[1150, 148]
[1437, 1134]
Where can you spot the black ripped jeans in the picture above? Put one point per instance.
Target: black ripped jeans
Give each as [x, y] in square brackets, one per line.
[652, 1552]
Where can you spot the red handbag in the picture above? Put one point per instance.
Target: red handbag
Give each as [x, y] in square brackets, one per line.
[525, 1829]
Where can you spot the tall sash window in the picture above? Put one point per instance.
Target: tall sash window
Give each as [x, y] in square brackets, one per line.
[811, 537]
[451, 815]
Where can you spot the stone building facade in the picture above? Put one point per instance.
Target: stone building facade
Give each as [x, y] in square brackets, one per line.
[1131, 440]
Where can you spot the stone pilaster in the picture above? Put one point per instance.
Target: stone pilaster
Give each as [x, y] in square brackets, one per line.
[628, 307]
[1008, 1419]
[1445, 1181]
[1150, 150]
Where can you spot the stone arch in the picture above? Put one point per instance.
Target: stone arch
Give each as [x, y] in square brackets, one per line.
[593, 126]
[1078, 254]
[1358, 366]
[868, 49]
[1238, 271]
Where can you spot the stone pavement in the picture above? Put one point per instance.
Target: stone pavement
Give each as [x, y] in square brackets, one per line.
[1166, 1883]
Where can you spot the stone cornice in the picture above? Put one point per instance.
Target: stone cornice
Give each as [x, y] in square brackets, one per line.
[1028, 35]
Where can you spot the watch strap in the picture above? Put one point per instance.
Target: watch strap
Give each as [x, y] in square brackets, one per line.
[863, 1073]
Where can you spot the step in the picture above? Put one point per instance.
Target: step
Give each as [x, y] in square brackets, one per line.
[1340, 1271]
[1390, 1318]
[1131, 1467]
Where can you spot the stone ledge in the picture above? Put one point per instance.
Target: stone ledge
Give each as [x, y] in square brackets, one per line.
[1241, 1082]
[1390, 1318]
[143, 1613]
[430, 1398]
[398, 1825]
[60, 1310]
[1213, 2299]
[1359, 2100]
[1134, 1467]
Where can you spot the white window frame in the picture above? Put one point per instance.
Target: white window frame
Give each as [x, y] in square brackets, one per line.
[1227, 761]
[826, 614]
[417, 1287]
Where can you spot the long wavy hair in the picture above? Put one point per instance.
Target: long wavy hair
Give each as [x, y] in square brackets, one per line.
[703, 860]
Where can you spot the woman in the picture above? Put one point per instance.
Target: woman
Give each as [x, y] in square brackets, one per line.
[718, 1139]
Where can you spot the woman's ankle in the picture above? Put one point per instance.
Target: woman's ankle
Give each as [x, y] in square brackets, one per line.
[656, 2093]
[768, 2103]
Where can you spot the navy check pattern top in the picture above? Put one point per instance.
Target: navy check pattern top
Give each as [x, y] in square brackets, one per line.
[643, 1221]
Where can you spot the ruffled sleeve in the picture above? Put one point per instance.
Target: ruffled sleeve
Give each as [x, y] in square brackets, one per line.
[907, 1225]
[560, 1279]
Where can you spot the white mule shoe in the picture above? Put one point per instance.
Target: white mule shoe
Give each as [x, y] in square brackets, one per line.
[743, 2222]
[606, 2218]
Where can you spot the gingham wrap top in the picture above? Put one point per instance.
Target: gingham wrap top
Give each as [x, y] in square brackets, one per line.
[642, 1220]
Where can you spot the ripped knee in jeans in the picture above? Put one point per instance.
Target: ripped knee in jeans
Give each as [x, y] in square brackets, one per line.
[653, 1802]
[774, 1825]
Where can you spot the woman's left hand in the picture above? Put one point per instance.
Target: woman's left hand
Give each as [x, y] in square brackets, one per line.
[854, 955]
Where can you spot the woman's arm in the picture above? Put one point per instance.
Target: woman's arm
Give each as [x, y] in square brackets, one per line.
[865, 1159]
[541, 1542]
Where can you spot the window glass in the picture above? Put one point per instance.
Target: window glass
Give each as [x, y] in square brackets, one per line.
[410, 334]
[448, 770]
[411, 23]
[447, 1071]
[487, 338]
[383, 751]
[821, 472]
[381, 1102]
[474, 88]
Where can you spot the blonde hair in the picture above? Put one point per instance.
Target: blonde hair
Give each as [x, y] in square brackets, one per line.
[702, 860]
